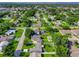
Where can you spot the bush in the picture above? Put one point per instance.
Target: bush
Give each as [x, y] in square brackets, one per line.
[65, 25]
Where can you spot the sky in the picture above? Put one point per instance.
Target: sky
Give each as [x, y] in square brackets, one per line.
[39, 0]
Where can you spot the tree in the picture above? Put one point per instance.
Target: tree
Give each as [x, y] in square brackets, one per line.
[29, 33]
[72, 20]
[30, 12]
[65, 25]
[62, 51]
[9, 50]
[61, 43]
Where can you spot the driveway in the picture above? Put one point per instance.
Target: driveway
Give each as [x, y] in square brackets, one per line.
[20, 44]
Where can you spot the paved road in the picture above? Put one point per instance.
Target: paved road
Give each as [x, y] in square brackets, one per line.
[37, 50]
[20, 44]
[74, 50]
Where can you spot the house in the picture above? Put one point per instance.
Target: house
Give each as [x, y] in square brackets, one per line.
[52, 17]
[3, 44]
[6, 38]
[43, 31]
[36, 31]
[78, 23]
[3, 38]
[11, 31]
[16, 23]
[58, 23]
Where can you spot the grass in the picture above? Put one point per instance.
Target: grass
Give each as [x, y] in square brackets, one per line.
[77, 46]
[49, 55]
[18, 33]
[1, 55]
[15, 43]
[49, 48]
[28, 47]
[27, 40]
[25, 54]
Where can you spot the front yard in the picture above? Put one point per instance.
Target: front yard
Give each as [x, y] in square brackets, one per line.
[18, 33]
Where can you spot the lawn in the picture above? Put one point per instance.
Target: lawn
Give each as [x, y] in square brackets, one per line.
[65, 25]
[50, 55]
[28, 44]
[1, 55]
[25, 54]
[18, 33]
[15, 43]
[48, 45]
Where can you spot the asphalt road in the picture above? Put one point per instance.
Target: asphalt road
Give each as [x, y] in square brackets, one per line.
[37, 50]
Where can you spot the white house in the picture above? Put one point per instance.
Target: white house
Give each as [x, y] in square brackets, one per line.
[11, 31]
[78, 23]
[3, 44]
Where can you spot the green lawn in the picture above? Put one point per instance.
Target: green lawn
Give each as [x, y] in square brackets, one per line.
[1, 55]
[26, 45]
[50, 55]
[18, 33]
[25, 54]
[15, 43]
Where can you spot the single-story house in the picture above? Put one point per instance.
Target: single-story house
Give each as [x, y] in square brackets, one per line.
[43, 31]
[3, 38]
[58, 23]
[11, 31]
[36, 31]
[78, 23]
[52, 17]
[3, 44]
